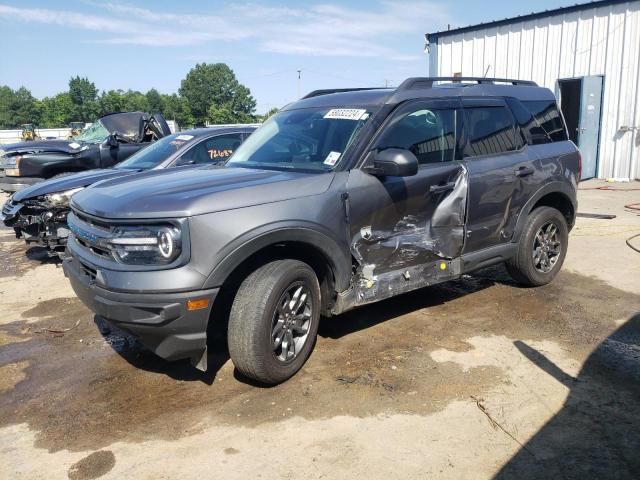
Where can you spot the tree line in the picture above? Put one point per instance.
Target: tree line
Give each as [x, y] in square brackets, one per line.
[209, 93]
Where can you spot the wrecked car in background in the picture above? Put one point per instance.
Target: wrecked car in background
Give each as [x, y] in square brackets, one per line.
[339, 200]
[39, 213]
[109, 140]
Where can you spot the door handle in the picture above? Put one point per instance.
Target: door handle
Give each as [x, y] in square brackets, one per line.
[524, 171]
[442, 188]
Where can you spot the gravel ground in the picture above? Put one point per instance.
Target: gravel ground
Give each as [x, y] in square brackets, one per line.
[471, 379]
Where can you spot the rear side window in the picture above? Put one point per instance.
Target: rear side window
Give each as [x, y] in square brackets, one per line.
[214, 149]
[490, 131]
[548, 117]
[429, 134]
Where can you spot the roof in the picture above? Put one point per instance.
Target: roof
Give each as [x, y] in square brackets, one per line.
[199, 132]
[414, 88]
[433, 37]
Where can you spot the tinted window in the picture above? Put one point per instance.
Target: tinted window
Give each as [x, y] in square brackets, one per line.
[548, 118]
[429, 134]
[490, 131]
[213, 150]
[156, 153]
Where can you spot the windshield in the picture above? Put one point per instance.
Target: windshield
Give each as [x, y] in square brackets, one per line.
[306, 139]
[156, 153]
[95, 133]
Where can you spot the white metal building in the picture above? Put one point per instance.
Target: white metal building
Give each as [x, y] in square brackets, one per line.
[588, 54]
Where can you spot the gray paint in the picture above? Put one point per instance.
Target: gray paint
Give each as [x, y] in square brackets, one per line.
[402, 233]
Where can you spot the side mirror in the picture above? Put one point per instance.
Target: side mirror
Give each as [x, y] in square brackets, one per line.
[393, 162]
[112, 141]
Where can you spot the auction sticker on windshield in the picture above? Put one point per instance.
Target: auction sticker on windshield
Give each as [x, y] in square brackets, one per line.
[345, 113]
[332, 158]
[184, 137]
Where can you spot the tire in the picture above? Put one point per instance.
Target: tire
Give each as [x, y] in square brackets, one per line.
[527, 267]
[253, 331]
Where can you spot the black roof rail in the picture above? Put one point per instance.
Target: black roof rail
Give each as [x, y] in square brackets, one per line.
[318, 93]
[416, 83]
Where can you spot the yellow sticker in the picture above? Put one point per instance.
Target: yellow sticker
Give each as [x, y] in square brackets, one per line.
[443, 266]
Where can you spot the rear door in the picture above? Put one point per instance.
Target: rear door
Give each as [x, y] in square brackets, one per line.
[403, 222]
[502, 172]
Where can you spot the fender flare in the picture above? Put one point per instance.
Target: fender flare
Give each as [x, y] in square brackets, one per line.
[246, 245]
[554, 187]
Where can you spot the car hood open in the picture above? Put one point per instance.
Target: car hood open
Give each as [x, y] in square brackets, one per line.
[132, 124]
[178, 193]
[69, 182]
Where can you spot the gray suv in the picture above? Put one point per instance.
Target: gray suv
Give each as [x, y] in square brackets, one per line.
[343, 198]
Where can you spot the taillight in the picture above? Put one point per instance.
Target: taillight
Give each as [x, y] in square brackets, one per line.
[579, 166]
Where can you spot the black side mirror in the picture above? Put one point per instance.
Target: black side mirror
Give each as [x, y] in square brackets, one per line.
[393, 162]
[112, 141]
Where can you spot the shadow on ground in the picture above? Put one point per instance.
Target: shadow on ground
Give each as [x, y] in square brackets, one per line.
[597, 432]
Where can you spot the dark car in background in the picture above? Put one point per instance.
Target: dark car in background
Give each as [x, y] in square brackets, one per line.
[109, 140]
[339, 200]
[39, 213]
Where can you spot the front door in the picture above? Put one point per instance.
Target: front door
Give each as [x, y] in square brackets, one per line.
[401, 226]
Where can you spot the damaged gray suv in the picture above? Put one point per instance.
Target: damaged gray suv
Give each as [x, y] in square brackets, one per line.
[343, 198]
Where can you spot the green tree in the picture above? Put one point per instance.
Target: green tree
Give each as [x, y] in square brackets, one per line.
[265, 117]
[135, 101]
[18, 107]
[111, 101]
[215, 84]
[154, 100]
[57, 111]
[177, 108]
[84, 96]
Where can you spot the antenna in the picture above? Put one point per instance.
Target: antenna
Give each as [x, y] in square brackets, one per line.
[299, 72]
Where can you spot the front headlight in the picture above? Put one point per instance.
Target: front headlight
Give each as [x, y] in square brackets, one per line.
[61, 199]
[147, 245]
[12, 165]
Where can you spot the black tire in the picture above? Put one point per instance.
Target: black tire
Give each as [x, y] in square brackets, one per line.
[523, 268]
[254, 315]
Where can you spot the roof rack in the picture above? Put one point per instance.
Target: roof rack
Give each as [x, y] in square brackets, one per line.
[318, 93]
[427, 82]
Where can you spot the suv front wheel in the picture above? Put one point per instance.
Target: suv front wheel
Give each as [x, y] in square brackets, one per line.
[542, 248]
[274, 321]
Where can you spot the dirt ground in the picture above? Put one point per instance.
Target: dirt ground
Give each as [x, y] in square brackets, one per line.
[471, 379]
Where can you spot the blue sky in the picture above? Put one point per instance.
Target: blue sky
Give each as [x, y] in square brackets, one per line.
[140, 45]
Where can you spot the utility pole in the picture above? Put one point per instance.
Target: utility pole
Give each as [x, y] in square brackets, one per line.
[299, 94]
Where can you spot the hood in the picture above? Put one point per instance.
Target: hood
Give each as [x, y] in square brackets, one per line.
[175, 193]
[68, 182]
[133, 124]
[42, 146]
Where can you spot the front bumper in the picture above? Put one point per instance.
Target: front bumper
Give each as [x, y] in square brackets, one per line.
[39, 226]
[14, 184]
[160, 321]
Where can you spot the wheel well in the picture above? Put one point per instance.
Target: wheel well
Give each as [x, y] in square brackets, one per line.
[560, 202]
[304, 252]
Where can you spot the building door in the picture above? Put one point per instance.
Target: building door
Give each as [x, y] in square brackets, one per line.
[581, 101]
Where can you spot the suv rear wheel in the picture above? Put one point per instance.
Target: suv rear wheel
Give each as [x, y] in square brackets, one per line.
[274, 321]
[541, 249]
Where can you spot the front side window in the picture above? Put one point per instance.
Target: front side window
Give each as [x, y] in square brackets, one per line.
[490, 131]
[213, 150]
[429, 134]
[310, 139]
[156, 153]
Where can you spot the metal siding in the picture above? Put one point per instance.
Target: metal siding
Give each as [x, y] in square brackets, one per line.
[590, 41]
